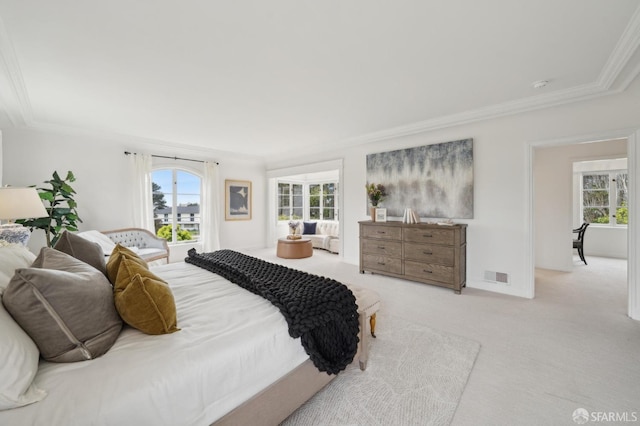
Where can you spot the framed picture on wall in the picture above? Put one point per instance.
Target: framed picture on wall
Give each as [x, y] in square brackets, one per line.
[237, 199]
[381, 215]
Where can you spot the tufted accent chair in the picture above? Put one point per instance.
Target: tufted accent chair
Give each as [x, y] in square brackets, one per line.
[149, 247]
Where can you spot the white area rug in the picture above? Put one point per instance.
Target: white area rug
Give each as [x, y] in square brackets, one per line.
[415, 376]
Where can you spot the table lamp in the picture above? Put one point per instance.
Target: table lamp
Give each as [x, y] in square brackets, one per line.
[19, 203]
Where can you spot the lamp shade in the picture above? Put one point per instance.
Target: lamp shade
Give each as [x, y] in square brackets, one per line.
[20, 203]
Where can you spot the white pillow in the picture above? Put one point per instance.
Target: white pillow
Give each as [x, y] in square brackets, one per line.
[102, 240]
[19, 365]
[12, 257]
[18, 354]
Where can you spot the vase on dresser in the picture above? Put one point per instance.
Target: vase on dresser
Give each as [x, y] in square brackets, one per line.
[372, 212]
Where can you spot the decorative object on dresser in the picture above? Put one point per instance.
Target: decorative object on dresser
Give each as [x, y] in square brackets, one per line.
[436, 179]
[18, 203]
[375, 194]
[427, 253]
[381, 215]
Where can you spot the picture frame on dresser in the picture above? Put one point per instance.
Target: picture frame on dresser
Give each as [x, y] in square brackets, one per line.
[381, 215]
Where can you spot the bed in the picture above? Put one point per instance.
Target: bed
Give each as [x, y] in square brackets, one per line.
[232, 362]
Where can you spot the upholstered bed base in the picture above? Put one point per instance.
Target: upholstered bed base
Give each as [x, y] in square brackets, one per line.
[275, 403]
[279, 400]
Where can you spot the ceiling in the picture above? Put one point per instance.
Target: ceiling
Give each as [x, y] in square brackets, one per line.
[272, 78]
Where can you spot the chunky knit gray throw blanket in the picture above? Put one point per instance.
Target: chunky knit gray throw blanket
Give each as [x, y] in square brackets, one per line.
[321, 311]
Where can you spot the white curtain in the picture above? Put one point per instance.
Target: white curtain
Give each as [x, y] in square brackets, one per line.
[210, 215]
[142, 214]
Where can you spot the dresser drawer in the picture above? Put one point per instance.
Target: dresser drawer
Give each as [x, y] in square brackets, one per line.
[384, 247]
[429, 271]
[429, 235]
[428, 253]
[382, 263]
[384, 232]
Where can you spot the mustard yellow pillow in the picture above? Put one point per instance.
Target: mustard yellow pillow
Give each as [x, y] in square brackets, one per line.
[143, 300]
[118, 253]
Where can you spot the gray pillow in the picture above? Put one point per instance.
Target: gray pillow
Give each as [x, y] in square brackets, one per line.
[82, 249]
[65, 306]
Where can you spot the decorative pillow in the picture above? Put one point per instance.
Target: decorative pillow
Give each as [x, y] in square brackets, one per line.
[143, 300]
[18, 353]
[82, 249]
[119, 253]
[65, 305]
[12, 257]
[309, 228]
[98, 237]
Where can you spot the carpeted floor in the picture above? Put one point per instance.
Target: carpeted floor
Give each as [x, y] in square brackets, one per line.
[416, 376]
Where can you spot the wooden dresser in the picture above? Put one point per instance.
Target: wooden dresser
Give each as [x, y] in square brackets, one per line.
[431, 254]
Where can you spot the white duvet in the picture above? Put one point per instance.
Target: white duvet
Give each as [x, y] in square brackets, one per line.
[232, 344]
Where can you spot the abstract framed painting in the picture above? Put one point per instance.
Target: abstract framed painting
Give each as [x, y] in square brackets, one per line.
[237, 199]
[434, 180]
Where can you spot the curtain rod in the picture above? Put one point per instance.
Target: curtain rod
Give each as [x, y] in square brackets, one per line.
[170, 158]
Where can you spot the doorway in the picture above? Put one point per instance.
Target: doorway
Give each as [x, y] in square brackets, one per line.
[328, 171]
[552, 217]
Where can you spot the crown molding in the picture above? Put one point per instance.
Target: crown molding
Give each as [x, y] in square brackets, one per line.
[622, 53]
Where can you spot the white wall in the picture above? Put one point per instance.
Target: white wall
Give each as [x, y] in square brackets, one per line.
[554, 205]
[103, 192]
[497, 235]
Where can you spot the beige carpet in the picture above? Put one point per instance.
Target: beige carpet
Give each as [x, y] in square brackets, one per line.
[416, 376]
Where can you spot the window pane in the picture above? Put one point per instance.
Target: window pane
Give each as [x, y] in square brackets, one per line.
[595, 181]
[595, 198]
[297, 213]
[314, 197]
[596, 215]
[188, 198]
[162, 196]
[622, 212]
[314, 213]
[283, 189]
[327, 214]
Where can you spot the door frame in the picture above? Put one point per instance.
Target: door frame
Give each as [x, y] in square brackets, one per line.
[633, 158]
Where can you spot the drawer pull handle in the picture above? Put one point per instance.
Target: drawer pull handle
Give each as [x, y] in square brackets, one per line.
[428, 272]
[428, 252]
[381, 263]
[382, 247]
[427, 235]
[382, 232]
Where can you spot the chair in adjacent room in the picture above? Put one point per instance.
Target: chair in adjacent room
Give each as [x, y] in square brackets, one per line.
[578, 243]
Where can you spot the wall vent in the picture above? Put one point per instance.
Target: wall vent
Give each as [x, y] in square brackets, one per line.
[496, 277]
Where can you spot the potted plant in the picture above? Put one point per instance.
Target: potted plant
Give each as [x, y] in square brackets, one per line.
[60, 206]
[376, 194]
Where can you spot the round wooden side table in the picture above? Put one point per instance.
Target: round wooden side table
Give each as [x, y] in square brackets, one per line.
[294, 249]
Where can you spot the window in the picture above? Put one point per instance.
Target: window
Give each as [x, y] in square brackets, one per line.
[290, 201]
[307, 201]
[322, 201]
[176, 193]
[604, 197]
